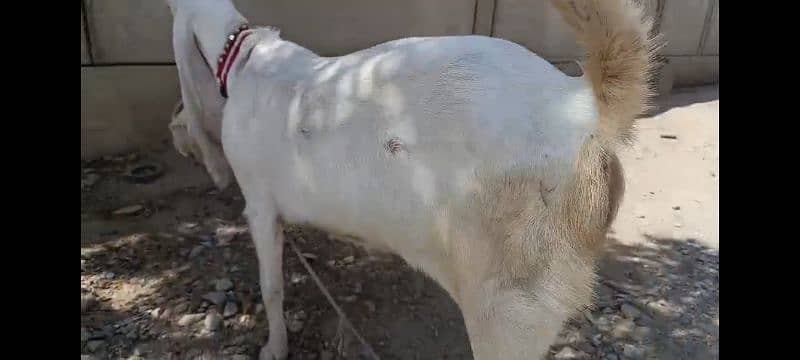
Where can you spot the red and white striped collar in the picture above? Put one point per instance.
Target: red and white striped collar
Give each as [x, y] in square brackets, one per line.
[232, 45]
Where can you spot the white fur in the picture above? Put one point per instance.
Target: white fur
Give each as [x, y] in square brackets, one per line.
[306, 137]
[315, 142]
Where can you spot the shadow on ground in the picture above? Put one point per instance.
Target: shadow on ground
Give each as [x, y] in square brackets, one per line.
[655, 300]
[682, 97]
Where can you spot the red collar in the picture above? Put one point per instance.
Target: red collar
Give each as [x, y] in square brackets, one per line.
[232, 46]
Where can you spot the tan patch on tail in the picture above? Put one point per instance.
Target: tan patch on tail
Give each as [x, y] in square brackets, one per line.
[620, 52]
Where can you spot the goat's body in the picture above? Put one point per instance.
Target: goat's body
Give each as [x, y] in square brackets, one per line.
[321, 134]
[416, 146]
[314, 134]
[472, 158]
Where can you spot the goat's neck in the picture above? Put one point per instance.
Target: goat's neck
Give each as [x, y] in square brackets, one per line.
[212, 29]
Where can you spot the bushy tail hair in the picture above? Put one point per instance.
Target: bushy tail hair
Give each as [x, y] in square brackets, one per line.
[620, 61]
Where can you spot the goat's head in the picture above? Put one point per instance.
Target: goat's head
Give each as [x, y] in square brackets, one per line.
[198, 35]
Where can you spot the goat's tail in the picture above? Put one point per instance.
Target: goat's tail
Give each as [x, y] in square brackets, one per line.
[620, 50]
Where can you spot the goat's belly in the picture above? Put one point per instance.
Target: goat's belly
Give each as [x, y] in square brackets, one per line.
[386, 206]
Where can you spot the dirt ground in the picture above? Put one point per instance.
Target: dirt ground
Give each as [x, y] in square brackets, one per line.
[176, 278]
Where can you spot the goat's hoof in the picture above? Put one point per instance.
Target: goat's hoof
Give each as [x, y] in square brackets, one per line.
[274, 352]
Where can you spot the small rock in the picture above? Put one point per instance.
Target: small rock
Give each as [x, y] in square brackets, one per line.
[108, 275]
[215, 297]
[188, 228]
[189, 319]
[349, 259]
[623, 328]
[600, 322]
[632, 352]
[630, 311]
[155, 313]
[95, 345]
[196, 251]
[570, 338]
[640, 333]
[230, 309]
[611, 356]
[226, 234]
[223, 284]
[669, 136]
[349, 298]
[208, 241]
[300, 314]
[298, 278]
[294, 325]
[128, 210]
[310, 256]
[259, 308]
[660, 307]
[139, 351]
[165, 314]
[203, 307]
[568, 353]
[247, 321]
[597, 340]
[212, 322]
[331, 263]
[676, 207]
[294, 320]
[182, 307]
[89, 180]
[588, 315]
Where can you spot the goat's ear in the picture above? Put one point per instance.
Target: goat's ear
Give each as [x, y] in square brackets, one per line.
[202, 103]
[199, 91]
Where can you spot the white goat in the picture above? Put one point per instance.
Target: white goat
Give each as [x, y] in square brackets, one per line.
[474, 159]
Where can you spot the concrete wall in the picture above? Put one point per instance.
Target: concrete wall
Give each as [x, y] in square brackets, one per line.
[129, 84]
